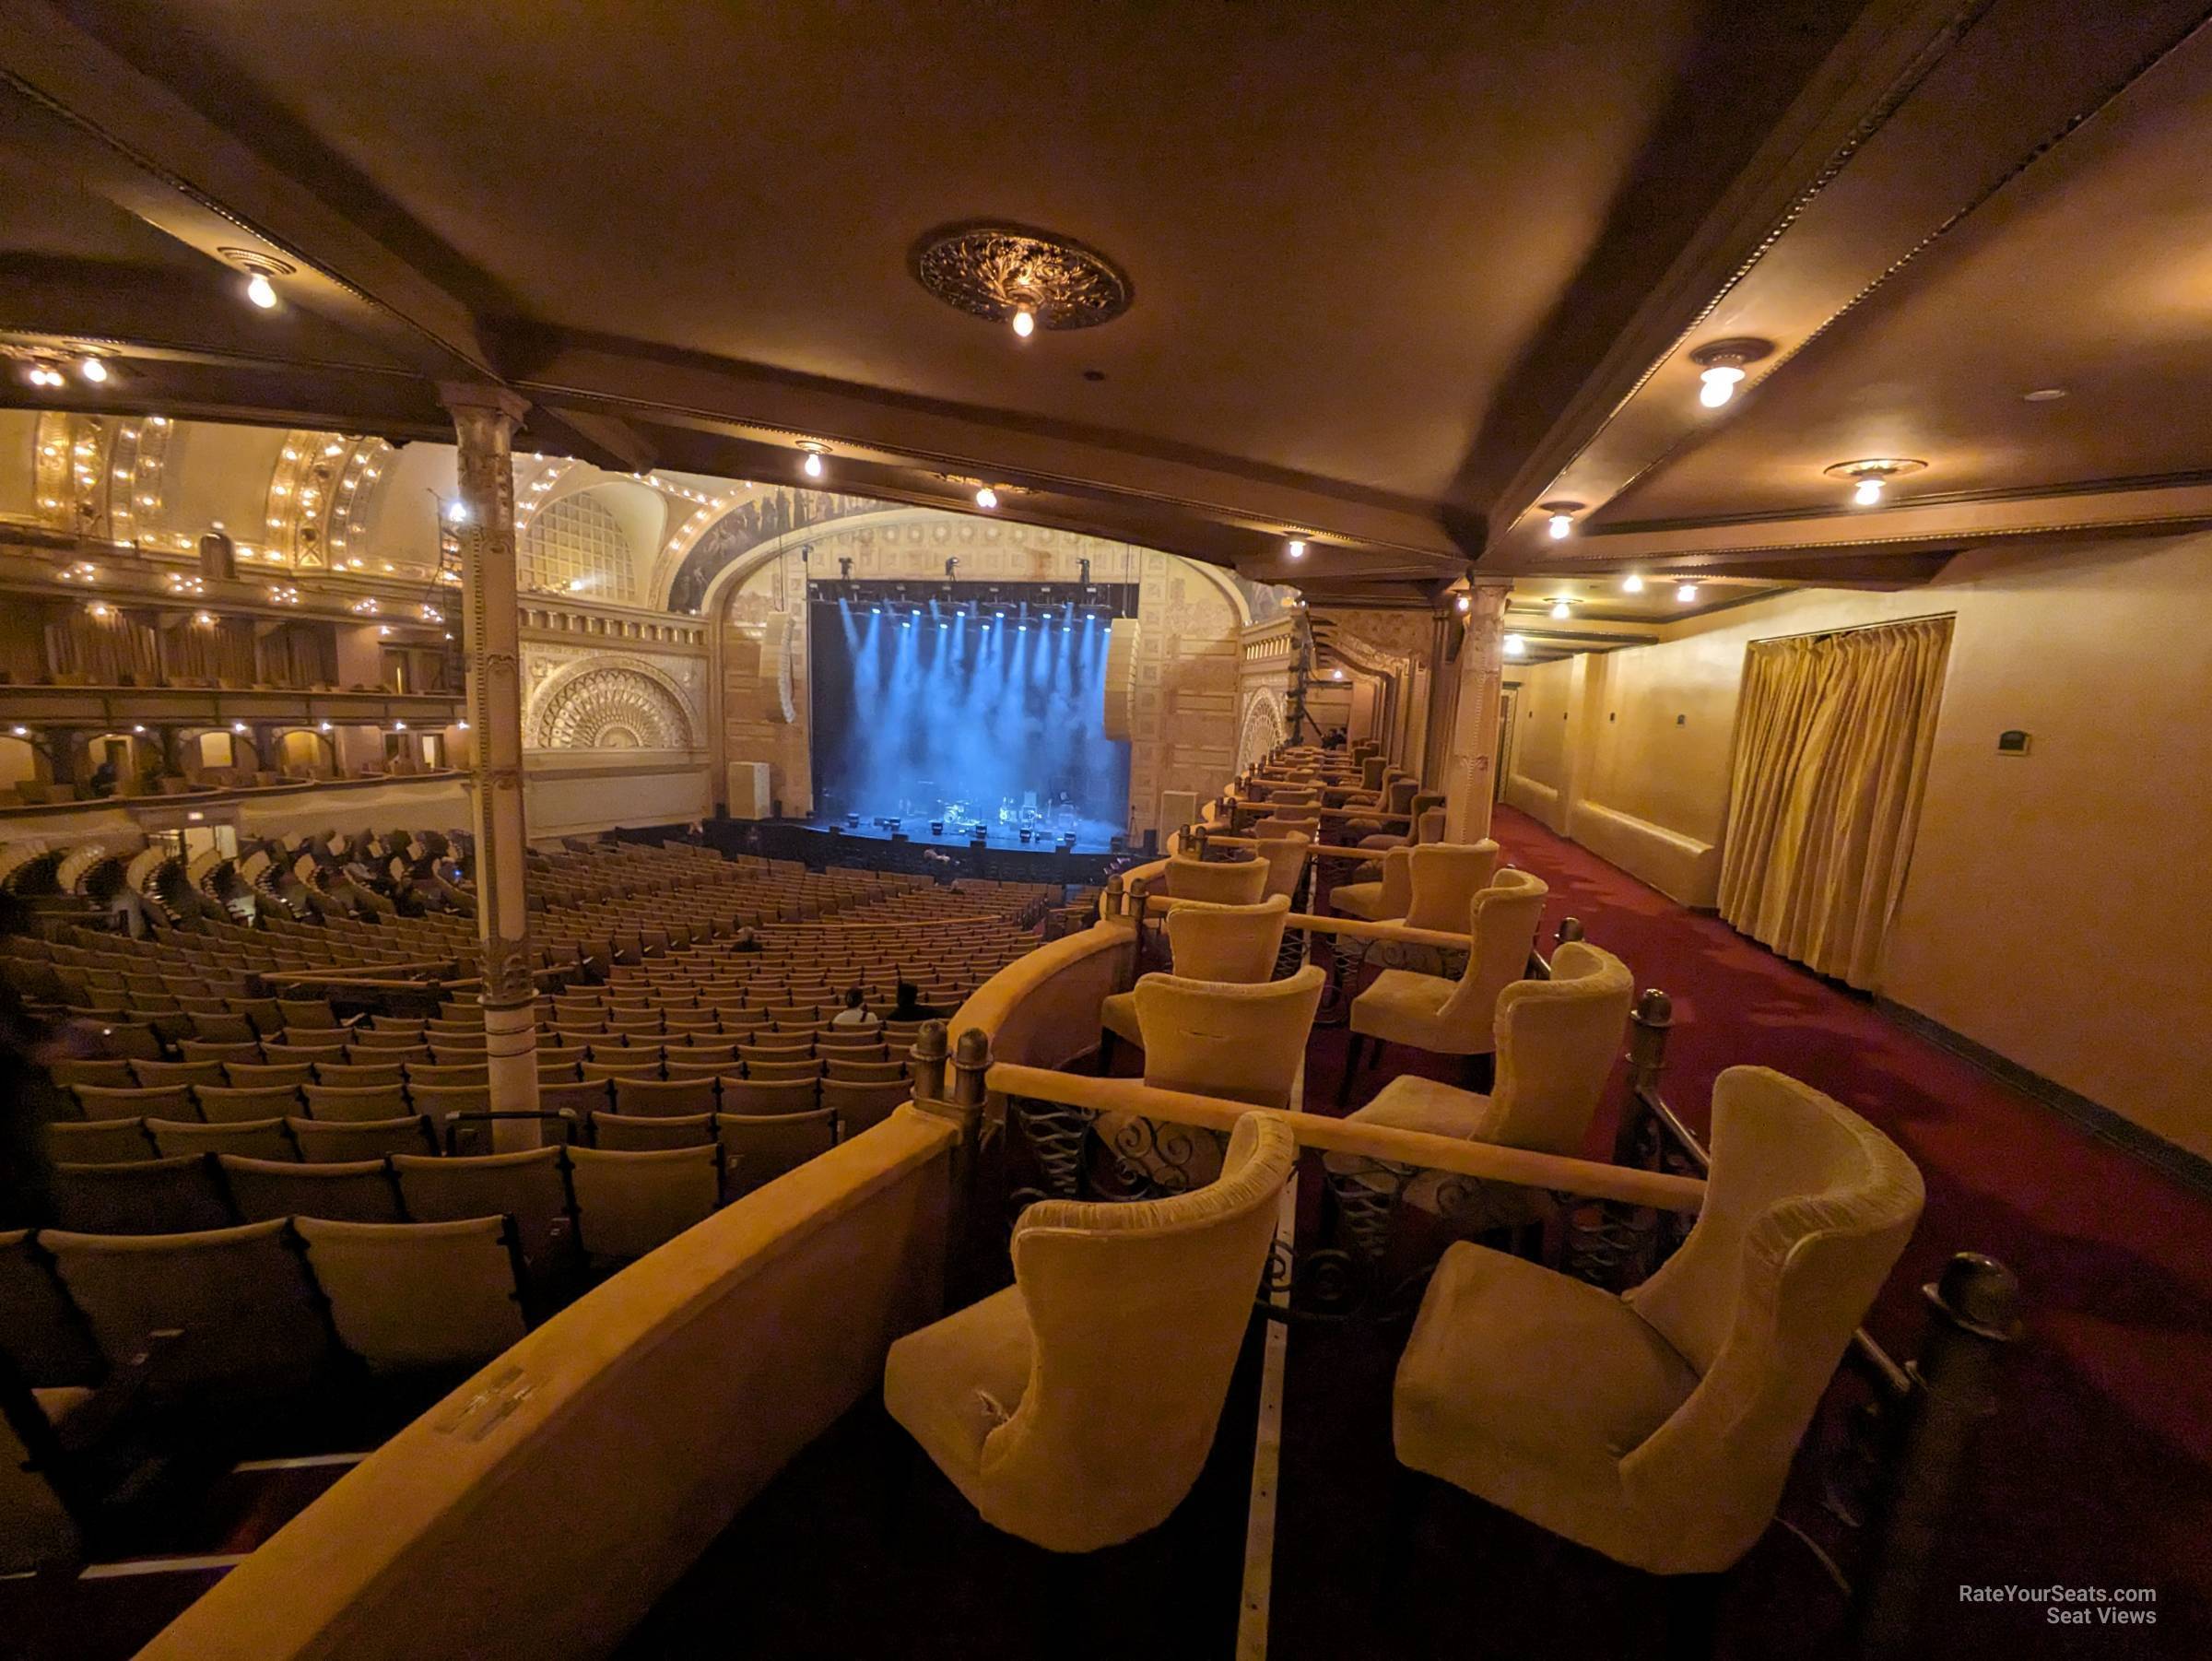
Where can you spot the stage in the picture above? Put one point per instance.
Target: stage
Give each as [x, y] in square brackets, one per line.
[1003, 856]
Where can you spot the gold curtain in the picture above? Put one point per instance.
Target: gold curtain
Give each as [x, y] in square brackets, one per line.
[221, 652]
[1832, 741]
[119, 649]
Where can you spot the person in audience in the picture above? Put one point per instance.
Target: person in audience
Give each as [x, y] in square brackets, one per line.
[104, 778]
[748, 940]
[909, 1006]
[856, 1012]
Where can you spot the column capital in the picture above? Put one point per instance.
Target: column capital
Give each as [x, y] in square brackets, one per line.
[458, 395]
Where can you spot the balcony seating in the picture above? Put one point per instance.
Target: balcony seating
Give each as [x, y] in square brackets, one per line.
[99, 1142]
[1386, 901]
[1237, 882]
[1658, 1427]
[1074, 1409]
[527, 1186]
[412, 1295]
[1446, 876]
[1287, 857]
[1234, 944]
[758, 1147]
[1557, 1041]
[632, 1132]
[1454, 1017]
[325, 1142]
[257, 1139]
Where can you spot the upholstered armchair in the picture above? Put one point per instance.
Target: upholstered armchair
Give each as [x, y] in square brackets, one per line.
[1398, 792]
[1225, 882]
[1557, 1041]
[1296, 822]
[1384, 901]
[1075, 1408]
[1658, 1426]
[1446, 878]
[1454, 1017]
[1229, 943]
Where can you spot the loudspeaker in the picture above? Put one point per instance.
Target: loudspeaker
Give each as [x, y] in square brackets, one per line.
[1151, 840]
[900, 836]
[1117, 843]
[749, 790]
[937, 827]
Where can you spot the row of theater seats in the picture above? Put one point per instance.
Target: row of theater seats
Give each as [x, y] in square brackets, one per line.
[614, 1197]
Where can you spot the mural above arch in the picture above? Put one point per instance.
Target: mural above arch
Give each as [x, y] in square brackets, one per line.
[758, 520]
[607, 705]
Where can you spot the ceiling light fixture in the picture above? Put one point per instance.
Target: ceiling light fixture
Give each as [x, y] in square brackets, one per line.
[987, 498]
[1722, 365]
[261, 292]
[1463, 603]
[1514, 646]
[1632, 584]
[812, 467]
[456, 512]
[1560, 611]
[259, 268]
[1869, 479]
[1561, 523]
[93, 369]
[1296, 547]
[41, 375]
[2044, 394]
[1686, 592]
[1020, 276]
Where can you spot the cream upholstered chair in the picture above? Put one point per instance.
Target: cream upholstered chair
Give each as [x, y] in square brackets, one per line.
[1237, 882]
[1075, 1408]
[1229, 943]
[1454, 1017]
[1276, 826]
[1384, 901]
[628, 1203]
[1446, 876]
[1657, 1427]
[1557, 1041]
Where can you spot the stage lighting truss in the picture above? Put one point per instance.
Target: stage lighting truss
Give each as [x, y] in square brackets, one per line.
[1018, 606]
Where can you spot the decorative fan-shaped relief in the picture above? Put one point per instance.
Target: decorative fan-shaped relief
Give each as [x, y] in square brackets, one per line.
[612, 708]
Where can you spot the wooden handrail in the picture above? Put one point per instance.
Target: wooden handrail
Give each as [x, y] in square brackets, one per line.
[1386, 1144]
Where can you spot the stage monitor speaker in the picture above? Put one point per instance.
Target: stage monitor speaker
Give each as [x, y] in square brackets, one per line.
[749, 790]
[899, 836]
[937, 827]
[1117, 843]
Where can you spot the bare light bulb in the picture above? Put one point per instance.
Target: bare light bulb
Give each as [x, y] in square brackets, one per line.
[1560, 611]
[1563, 527]
[1297, 547]
[1465, 604]
[1632, 584]
[456, 512]
[987, 498]
[262, 291]
[1025, 321]
[1869, 494]
[1686, 592]
[93, 369]
[814, 464]
[1515, 646]
[1720, 384]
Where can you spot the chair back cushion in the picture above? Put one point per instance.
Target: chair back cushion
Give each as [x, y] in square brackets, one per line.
[1244, 1042]
[411, 1295]
[1234, 943]
[1502, 920]
[1239, 882]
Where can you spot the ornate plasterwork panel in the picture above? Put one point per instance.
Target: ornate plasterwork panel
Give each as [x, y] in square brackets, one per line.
[595, 700]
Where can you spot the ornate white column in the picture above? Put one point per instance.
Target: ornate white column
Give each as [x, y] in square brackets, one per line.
[1470, 779]
[484, 420]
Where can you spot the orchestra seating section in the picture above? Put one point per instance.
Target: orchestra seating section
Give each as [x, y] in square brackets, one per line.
[300, 1189]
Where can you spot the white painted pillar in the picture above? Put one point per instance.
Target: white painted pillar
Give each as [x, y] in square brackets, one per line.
[484, 420]
[1470, 778]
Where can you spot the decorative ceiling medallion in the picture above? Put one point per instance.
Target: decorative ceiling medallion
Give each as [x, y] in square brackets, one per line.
[1876, 467]
[994, 271]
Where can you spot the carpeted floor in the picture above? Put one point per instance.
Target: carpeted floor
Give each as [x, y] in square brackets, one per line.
[2098, 1470]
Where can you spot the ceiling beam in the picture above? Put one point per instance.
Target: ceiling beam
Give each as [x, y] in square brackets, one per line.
[1918, 120]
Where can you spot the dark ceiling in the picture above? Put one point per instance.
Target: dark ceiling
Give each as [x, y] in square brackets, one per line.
[1402, 271]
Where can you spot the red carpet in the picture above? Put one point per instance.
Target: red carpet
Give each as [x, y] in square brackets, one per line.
[2098, 1470]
